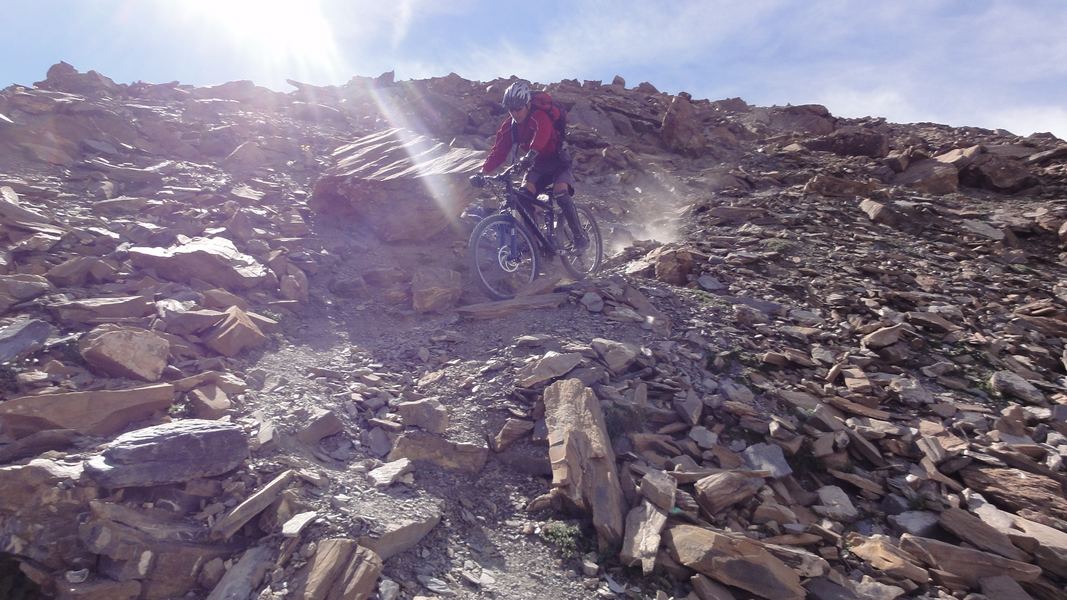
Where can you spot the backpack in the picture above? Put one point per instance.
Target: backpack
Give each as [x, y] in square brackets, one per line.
[543, 101]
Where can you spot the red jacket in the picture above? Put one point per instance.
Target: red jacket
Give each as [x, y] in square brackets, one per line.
[537, 133]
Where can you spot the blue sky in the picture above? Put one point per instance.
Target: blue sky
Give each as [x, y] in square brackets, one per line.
[986, 63]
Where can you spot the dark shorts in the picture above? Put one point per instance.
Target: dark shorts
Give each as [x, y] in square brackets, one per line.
[547, 174]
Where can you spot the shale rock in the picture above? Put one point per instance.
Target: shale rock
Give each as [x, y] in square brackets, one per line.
[214, 260]
[405, 185]
[169, 453]
[583, 462]
[735, 561]
[125, 352]
[100, 412]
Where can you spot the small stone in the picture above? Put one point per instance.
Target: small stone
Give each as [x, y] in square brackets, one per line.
[296, 524]
[917, 522]
[547, 368]
[323, 423]
[78, 576]
[388, 589]
[911, 392]
[710, 283]
[659, 488]
[435, 585]
[390, 472]
[767, 457]
[512, 431]
[592, 302]
[704, 437]
[835, 504]
[617, 356]
[428, 414]
[589, 568]
[886, 336]
[379, 442]
[736, 392]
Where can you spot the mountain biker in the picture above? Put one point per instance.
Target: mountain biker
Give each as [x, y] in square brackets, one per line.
[533, 133]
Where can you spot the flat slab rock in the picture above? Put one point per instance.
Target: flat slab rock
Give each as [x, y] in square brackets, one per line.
[97, 412]
[169, 453]
[426, 447]
[735, 561]
[215, 260]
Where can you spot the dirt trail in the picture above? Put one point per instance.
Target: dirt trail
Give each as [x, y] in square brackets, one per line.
[469, 366]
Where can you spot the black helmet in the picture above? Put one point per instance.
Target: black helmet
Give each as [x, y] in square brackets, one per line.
[516, 96]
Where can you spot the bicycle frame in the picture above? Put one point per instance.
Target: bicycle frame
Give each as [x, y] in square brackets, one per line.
[520, 200]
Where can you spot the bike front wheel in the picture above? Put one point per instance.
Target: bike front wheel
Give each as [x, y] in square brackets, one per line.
[503, 256]
[580, 263]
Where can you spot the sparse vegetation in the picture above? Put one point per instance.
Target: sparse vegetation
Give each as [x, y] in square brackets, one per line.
[563, 535]
[777, 245]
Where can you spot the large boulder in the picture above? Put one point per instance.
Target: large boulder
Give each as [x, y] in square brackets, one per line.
[997, 173]
[930, 176]
[682, 130]
[404, 185]
[583, 462]
[164, 553]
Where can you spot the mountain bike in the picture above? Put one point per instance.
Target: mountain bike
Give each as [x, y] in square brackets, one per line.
[507, 248]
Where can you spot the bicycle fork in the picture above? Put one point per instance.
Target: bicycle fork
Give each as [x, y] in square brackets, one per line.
[508, 245]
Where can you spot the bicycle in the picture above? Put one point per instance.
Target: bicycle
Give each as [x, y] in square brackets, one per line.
[506, 248]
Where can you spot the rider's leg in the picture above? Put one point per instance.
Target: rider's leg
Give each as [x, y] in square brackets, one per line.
[561, 192]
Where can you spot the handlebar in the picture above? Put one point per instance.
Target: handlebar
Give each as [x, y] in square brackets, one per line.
[504, 176]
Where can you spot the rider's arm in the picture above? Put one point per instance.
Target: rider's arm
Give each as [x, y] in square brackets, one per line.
[500, 150]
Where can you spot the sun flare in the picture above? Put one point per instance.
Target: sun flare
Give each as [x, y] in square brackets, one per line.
[284, 35]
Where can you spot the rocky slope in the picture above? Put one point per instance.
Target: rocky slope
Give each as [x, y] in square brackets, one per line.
[240, 356]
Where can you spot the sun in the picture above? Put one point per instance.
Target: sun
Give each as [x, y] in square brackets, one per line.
[290, 36]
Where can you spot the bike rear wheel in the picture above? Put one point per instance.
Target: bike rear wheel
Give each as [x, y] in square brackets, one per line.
[503, 256]
[580, 263]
